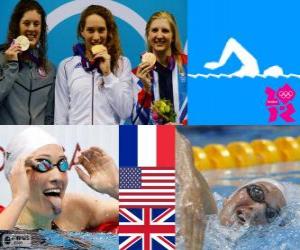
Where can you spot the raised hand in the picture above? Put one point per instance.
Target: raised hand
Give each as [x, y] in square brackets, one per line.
[18, 180]
[104, 64]
[103, 175]
[19, 184]
[143, 72]
[12, 52]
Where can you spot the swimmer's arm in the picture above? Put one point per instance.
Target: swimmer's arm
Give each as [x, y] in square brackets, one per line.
[20, 192]
[9, 217]
[195, 199]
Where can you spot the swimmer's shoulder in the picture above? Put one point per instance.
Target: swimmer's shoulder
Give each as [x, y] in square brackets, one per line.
[82, 211]
[74, 215]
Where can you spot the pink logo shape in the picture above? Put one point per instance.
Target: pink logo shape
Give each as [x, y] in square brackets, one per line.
[286, 94]
[271, 99]
[278, 103]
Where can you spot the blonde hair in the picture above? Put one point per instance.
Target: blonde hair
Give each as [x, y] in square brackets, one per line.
[176, 48]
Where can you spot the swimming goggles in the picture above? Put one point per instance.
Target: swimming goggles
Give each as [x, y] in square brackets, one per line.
[44, 165]
[257, 194]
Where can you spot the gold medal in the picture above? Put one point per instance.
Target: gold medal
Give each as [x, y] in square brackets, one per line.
[98, 49]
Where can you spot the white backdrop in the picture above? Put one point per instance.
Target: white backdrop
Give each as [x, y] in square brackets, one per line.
[106, 137]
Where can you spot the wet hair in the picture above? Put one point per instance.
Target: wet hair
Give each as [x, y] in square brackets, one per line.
[14, 27]
[113, 44]
[176, 48]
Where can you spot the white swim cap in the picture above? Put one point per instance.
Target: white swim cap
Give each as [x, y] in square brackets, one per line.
[25, 143]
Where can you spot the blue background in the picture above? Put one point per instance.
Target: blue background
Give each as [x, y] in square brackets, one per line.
[63, 37]
[268, 30]
[236, 101]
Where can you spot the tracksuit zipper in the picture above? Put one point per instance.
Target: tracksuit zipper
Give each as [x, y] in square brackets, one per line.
[93, 97]
[29, 101]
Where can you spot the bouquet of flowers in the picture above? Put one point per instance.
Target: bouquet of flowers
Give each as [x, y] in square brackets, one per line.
[163, 112]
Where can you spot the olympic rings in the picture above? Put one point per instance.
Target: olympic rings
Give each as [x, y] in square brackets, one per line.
[286, 94]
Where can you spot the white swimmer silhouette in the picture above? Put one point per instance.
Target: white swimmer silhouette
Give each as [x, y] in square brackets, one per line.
[249, 68]
[249, 63]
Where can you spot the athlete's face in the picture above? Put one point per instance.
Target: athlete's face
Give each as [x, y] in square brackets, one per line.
[160, 36]
[47, 189]
[95, 31]
[257, 204]
[31, 26]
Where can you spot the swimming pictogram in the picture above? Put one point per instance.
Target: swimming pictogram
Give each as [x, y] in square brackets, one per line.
[249, 64]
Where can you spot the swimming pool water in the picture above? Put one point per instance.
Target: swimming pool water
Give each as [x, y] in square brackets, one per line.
[80, 240]
[50, 239]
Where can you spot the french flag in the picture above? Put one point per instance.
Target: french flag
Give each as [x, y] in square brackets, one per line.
[147, 146]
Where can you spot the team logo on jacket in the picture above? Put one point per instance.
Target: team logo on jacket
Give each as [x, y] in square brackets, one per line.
[78, 65]
[42, 72]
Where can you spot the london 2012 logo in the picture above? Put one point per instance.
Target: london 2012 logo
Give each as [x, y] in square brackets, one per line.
[279, 103]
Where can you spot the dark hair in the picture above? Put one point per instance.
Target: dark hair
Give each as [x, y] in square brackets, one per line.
[14, 27]
[113, 42]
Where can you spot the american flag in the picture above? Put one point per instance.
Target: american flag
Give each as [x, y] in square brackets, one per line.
[147, 187]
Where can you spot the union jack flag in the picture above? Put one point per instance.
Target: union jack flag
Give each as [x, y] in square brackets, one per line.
[147, 228]
[147, 187]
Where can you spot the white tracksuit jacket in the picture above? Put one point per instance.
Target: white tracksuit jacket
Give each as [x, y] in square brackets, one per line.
[88, 97]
